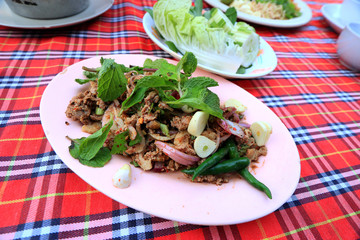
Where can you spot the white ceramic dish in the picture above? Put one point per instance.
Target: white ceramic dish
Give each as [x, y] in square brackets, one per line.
[331, 13]
[264, 64]
[171, 195]
[294, 22]
[348, 46]
[10, 19]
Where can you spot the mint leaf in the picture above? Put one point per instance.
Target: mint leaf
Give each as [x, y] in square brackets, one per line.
[112, 82]
[137, 140]
[231, 14]
[142, 86]
[150, 11]
[172, 46]
[165, 69]
[205, 100]
[74, 147]
[102, 157]
[92, 144]
[154, 82]
[120, 144]
[90, 76]
[196, 83]
[196, 95]
[128, 69]
[136, 96]
[188, 64]
[82, 81]
[89, 150]
[242, 69]
[99, 160]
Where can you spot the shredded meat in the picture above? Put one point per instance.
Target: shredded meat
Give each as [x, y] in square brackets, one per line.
[218, 180]
[183, 142]
[82, 107]
[153, 125]
[153, 120]
[210, 134]
[181, 123]
[253, 153]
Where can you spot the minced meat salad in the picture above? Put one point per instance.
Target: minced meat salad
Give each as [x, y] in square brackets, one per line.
[165, 120]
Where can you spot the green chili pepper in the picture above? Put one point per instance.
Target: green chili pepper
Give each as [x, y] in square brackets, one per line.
[211, 161]
[233, 153]
[230, 165]
[254, 182]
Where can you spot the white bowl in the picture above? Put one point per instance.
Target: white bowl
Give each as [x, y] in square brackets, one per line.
[348, 46]
[350, 11]
[47, 9]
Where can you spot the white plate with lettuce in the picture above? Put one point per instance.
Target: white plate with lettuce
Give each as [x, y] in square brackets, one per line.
[246, 56]
[297, 21]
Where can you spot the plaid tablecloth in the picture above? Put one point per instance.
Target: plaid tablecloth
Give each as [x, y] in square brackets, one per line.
[316, 97]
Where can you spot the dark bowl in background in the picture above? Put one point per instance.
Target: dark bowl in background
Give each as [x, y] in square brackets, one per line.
[47, 9]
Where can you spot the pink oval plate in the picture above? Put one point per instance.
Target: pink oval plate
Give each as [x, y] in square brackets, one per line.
[171, 195]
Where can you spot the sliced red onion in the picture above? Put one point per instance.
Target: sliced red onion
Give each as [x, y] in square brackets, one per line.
[161, 138]
[224, 138]
[229, 112]
[158, 167]
[236, 117]
[231, 127]
[244, 124]
[176, 155]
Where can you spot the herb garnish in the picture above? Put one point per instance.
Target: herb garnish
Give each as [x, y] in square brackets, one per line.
[90, 151]
[167, 78]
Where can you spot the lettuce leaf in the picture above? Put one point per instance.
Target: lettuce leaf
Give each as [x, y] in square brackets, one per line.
[215, 40]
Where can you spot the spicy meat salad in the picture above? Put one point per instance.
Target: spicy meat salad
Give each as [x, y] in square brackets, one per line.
[165, 120]
[272, 9]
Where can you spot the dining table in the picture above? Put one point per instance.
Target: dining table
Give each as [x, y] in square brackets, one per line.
[313, 94]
